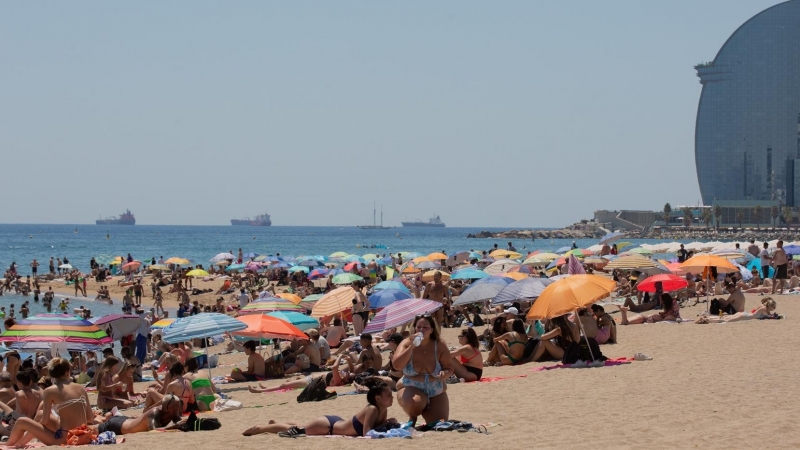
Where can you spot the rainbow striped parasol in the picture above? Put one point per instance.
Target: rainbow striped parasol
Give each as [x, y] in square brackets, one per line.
[54, 328]
[160, 324]
[268, 304]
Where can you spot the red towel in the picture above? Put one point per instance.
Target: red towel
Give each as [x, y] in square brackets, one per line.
[493, 379]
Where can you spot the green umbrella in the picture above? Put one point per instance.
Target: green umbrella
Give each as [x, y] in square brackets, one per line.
[641, 251]
[346, 278]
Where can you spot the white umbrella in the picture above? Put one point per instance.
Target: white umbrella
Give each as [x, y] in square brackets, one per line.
[65, 266]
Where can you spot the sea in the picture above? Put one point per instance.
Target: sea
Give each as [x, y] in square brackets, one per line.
[79, 243]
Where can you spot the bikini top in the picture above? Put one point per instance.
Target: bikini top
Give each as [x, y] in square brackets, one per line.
[409, 370]
[466, 360]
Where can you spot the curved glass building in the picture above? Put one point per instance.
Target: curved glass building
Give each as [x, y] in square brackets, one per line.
[747, 135]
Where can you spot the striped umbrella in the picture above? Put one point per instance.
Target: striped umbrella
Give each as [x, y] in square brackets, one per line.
[55, 328]
[294, 298]
[263, 326]
[346, 278]
[301, 321]
[526, 289]
[201, 326]
[269, 304]
[630, 262]
[310, 300]
[318, 273]
[399, 313]
[334, 302]
[163, 323]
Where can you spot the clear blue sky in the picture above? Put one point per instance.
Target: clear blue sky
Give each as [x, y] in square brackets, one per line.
[527, 113]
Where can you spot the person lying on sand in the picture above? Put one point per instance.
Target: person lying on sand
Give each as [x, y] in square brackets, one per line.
[335, 377]
[765, 311]
[379, 397]
[670, 311]
[170, 410]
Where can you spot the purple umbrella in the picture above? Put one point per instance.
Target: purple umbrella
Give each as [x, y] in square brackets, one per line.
[399, 313]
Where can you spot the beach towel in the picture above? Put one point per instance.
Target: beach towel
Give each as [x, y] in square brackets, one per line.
[495, 379]
[606, 363]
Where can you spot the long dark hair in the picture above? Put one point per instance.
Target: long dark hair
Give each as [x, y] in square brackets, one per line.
[518, 326]
[666, 302]
[431, 322]
[560, 322]
[498, 325]
[471, 337]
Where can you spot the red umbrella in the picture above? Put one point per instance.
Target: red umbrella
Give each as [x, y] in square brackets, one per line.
[669, 283]
[133, 265]
[348, 267]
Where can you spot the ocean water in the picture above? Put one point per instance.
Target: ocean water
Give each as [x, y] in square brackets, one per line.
[79, 243]
[98, 308]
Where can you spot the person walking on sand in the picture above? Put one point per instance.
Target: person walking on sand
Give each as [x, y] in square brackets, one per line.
[438, 292]
[781, 263]
[34, 267]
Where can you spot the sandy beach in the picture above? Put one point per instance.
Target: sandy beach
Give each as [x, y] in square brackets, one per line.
[710, 386]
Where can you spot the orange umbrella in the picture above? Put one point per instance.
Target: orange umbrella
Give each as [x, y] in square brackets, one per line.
[294, 298]
[505, 254]
[411, 269]
[419, 259]
[334, 302]
[262, 326]
[702, 261]
[428, 276]
[570, 293]
[514, 275]
[437, 256]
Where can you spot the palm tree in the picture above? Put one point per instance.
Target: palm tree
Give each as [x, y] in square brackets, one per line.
[718, 214]
[707, 217]
[774, 213]
[740, 216]
[758, 210]
[667, 211]
[788, 216]
[687, 216]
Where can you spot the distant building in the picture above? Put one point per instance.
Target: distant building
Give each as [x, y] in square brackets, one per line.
[747, 134]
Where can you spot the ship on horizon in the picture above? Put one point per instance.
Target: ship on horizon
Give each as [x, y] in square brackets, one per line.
[125, 218]
[433, 222]
[374, 225]
[261, 220]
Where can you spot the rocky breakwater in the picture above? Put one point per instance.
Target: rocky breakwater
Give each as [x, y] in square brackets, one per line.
[539, 234]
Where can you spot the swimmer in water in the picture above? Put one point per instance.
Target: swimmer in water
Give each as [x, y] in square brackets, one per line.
[63, 304]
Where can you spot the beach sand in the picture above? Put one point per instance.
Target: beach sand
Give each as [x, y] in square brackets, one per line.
[709, 386]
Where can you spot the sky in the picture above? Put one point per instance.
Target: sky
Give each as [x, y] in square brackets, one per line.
[494, 114]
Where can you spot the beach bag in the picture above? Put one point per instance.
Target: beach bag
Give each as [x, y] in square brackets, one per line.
[80, 436]
[226, 404]
[195, 424]
[315, 391]
[273, 369]
[580, 351]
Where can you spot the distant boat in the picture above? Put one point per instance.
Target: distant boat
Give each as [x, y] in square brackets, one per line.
[125, 218]
[433, 222]
[261, 220]
[374, 225]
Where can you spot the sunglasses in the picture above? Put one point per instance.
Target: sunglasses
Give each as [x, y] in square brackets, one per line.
[420, 316]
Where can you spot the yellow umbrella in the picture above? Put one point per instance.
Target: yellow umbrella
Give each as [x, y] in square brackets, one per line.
[533, 261]
[294, 298]
[428, 276]
[197, 273]
[158, 267]
[542, 256]
[514, 275]
[631, 262]
[505, 254]
[178, 261]
[437, 256]
[420, 259]
[222, 263]
[334, 302]
[369, 256]
[570, 293]
[339, 255]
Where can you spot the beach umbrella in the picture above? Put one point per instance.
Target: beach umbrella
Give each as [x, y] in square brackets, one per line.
[428, 276]
[505, 254]
[569, 294]
[521, 269]
[177, 261]
[265, 326]
[385, 297]
[500, 266]
[294, 298]
[197, 273]
[253, 266]
[301, 321]
[516, 276]
[469, 274]
[311, 263]
[161, 324]
[640, 251]
[269, 304]
[458, 258]
[370, 256]
[675, 268]
[65, 266]
[420, 259]
[317, 274]
[630, 263]
[563, 249]
[527, 289]
[354, 258]
[702, 261]
[221, 256]
[543, 256]
[756, 264]
[399, 313]
[234, 267]
[595, 260]
[250, 255]
[334, 302]
[611, 237]
[131, 266]
[437, 256]
[390, 285]
[338, 255]
[428, 265]
[577, 252]
[47, 329]
[158, 267]
[669, 283]
[310, 300]
[479, 292]
[299, 269]
[346, 278]
[410, 269]
[117, 325]
[494, 279]
[221, 263]
[201, 326]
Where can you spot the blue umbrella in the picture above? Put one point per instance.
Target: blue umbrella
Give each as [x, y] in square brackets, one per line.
[385, 297]
[250, 255]
[233, 267]
[478, 293]
[756, 264]
[563, 249]
[281, 264]
[496, 280]
[610, 237]
[793, 249]
[354, 258]
[469, 274]
[526, 289]
[390, 285]
[301, 321]
[299, 269]
[310, 263]
[200, 326]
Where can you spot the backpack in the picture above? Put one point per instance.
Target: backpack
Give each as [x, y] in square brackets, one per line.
[315, 391]
[580, 351]
[195, 424]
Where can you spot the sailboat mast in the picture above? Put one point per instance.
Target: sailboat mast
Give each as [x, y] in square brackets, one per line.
[381, 216]
[373, 215]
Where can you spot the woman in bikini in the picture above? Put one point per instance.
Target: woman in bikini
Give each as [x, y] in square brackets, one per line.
[765, 311]
[176, 384]
[510, 346]
[108, 391]
[422, 390]
[554, 342]
[70, 406]
[203, 388]
[670, 311]
[125, 381]
[467, 360]
[379, 397]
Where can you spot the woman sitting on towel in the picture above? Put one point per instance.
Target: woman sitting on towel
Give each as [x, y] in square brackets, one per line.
[671, 311]
[510, 347]
[379, 397]
[765, 311]
[554, 342]
[467, 360]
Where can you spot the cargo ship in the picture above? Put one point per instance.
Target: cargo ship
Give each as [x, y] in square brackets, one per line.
[433, 222]
[261, 220]
[125, 218]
